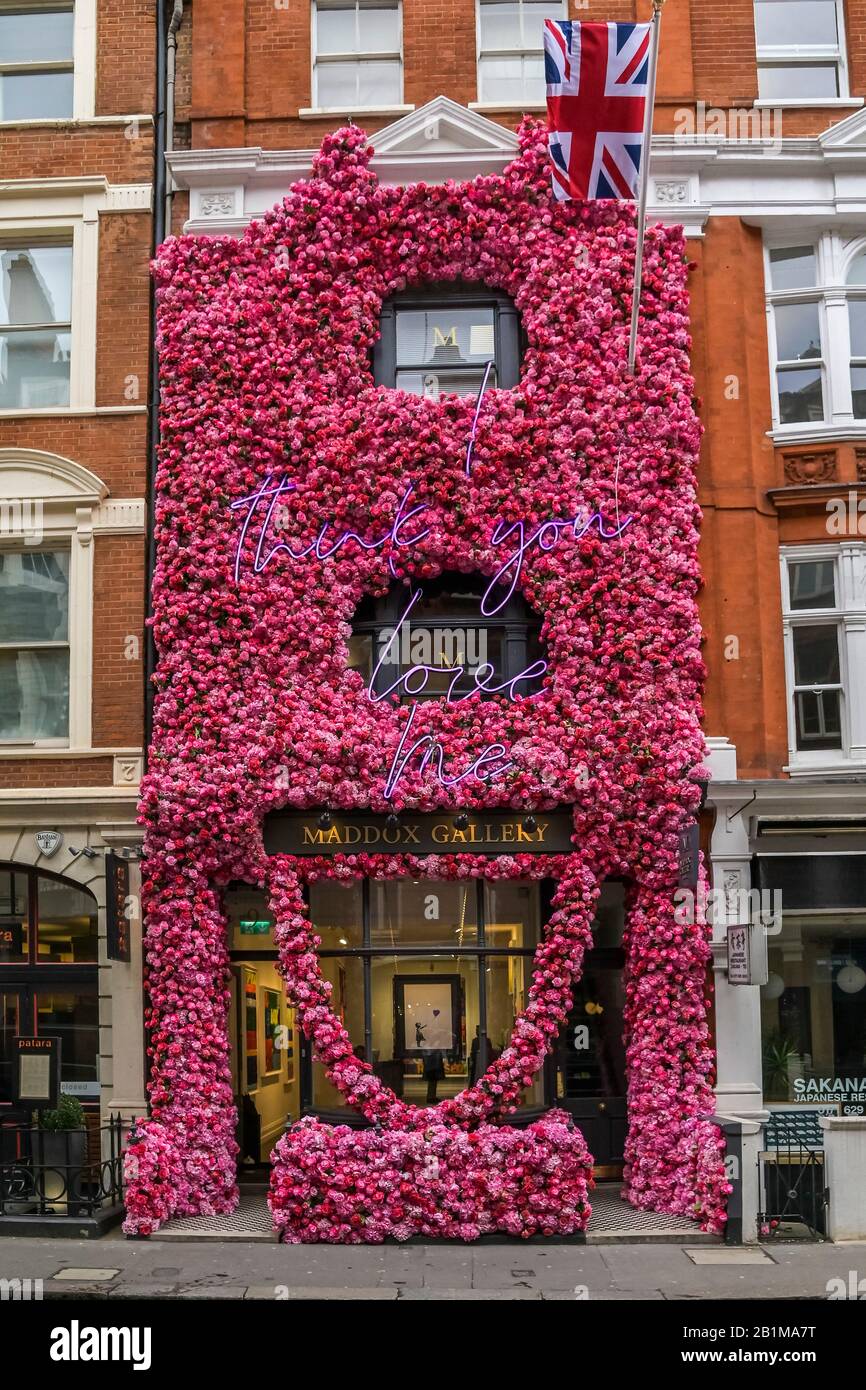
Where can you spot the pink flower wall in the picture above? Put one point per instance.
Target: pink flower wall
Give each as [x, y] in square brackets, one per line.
[265, 349]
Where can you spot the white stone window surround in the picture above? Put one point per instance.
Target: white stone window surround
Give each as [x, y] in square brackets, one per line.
[849, 617]
[75, 507]
[60, 209]
[351, 107]
[83, 58]
[481, 52]
[834, 254]
[794, 53]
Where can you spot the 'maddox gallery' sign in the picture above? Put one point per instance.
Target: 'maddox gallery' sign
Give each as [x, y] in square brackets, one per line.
[487, 832]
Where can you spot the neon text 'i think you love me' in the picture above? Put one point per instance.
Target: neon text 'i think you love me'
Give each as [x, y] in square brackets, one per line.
[260, 511]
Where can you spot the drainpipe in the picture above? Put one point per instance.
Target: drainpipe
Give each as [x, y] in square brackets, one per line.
[166, 58]
[171, 67]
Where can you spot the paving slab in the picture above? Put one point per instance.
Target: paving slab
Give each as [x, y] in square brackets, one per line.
[221, 1291]
[291, 1295]
[731, 1255]
[84, 1272]
[431, 1295]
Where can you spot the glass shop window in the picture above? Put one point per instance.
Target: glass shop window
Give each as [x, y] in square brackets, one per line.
[441, 340]
[813, 1012]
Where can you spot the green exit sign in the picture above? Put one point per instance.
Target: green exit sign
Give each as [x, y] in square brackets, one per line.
[251, 927]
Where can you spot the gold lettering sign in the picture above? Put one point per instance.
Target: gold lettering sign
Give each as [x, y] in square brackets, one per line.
[491, 832]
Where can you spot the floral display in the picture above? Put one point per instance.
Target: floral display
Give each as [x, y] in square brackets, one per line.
[332, 1183]
[282, 502]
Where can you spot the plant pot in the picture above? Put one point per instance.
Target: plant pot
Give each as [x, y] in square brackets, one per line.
[59, 1157]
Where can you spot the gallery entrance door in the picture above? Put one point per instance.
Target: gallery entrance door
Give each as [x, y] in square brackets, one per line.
[590, 1060]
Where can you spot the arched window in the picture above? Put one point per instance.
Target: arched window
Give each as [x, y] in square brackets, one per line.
[48, 974]
[446, 632]
[439, 339]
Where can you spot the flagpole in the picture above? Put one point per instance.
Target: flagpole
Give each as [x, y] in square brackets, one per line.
[643, 185]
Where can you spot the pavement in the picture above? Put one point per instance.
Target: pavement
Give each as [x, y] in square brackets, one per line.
[116, 1268]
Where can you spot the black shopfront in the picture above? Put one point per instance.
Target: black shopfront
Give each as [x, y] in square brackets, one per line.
[427, 975]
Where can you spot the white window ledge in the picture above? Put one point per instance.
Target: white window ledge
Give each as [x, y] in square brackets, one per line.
[817, 433]
[508, 106]
[849, 767]
[315, 113]
[78, 122]
[819, 103]
[64, 411]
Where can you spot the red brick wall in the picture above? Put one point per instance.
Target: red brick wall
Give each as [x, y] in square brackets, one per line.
[118, 598]
[114, 446]
[124, 296]
[125, 57]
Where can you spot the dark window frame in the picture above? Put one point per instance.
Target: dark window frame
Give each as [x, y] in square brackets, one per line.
[508, 336]
[515, 620]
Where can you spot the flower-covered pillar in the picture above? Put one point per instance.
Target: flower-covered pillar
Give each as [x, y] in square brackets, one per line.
[183, 1159]
[672, 1154]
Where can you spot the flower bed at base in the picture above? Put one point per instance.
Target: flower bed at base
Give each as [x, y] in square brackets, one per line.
[348, 1186]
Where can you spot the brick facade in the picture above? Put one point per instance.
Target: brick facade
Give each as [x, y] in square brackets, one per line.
[109, 437]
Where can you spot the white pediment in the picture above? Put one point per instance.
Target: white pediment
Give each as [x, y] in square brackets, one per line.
[443, 127]
[847, 135]
[49, 478]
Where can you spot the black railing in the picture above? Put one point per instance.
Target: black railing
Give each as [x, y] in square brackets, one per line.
[66, 1172]
[791, 1171]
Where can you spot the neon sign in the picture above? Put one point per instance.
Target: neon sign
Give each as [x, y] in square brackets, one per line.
[493, 761]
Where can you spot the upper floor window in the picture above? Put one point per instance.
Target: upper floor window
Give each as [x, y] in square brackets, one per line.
[857, 328]
[357, 53]
[36, 61]
[440, 340]
[34, 646]
[446, 633]
[511, 50]
[35, 325]
[817, 332]
[801, 50]
[826, 671]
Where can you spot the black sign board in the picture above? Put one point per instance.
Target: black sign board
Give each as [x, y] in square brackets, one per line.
[689, 852]
[36, 1079]
[448, 832]
[116, 903]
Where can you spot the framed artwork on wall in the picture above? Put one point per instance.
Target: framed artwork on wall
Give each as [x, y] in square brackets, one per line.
[271, 1013]
[428, 1015]
[251, 1029]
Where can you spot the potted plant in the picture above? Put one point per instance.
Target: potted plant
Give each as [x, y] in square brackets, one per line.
[60, 1152]
[780, 1057]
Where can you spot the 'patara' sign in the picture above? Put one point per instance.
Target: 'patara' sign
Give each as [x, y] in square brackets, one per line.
[485, 832]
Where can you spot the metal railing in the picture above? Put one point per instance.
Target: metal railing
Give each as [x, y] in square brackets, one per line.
[73, 1172]
[792, 1177]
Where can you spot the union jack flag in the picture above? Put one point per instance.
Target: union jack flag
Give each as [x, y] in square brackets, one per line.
[597, 85]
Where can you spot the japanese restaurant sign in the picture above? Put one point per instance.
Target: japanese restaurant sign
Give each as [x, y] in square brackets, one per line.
[484, 832]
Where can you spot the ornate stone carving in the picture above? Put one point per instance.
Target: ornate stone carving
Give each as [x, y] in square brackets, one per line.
[216, 204]
[672, 191]
[860, 455]
[810, 468]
